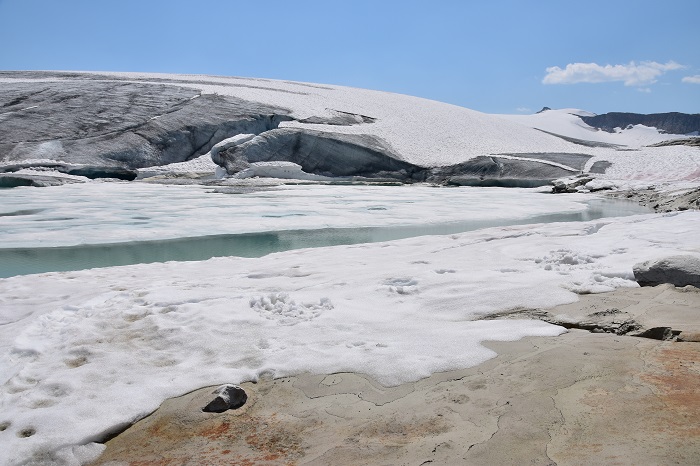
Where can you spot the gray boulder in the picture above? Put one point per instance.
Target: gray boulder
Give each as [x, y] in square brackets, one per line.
[676, 270]
[228, 396]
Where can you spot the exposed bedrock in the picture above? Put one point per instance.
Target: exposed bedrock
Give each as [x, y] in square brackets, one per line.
[109, 129]
[661, 200]
[321, 153]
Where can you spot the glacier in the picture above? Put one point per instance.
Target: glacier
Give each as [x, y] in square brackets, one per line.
[85, 353]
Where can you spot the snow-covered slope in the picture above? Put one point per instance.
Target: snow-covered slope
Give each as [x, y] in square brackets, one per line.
[419, 131]
[423, 132]
[567, 122]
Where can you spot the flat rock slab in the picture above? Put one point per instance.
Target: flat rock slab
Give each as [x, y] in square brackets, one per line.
[645, 311]
[580, 398]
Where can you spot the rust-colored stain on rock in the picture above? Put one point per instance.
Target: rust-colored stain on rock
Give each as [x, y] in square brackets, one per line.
[215, 431]
[243, 440]
[164, 462]
[674, 376]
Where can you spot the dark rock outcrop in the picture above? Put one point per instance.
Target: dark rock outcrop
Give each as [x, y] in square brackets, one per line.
[676, 270]
[672, 123]
[662, 200]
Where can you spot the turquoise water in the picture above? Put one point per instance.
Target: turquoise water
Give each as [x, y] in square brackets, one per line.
[30, 260]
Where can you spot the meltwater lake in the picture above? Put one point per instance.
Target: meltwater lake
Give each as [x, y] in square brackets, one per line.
[82, 226]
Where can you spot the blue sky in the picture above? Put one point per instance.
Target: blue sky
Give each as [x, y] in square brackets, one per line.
[496, 56]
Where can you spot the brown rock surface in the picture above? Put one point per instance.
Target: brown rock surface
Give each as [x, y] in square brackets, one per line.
[580, 398]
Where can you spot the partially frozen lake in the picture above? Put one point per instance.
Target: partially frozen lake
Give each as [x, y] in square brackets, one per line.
[76, 227]
[98, 349]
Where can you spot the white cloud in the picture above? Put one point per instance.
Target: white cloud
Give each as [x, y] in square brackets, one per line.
[632, 74]
[692, 79]
[523, 110]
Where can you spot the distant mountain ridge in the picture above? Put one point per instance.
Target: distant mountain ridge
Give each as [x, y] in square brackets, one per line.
[671, 123]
